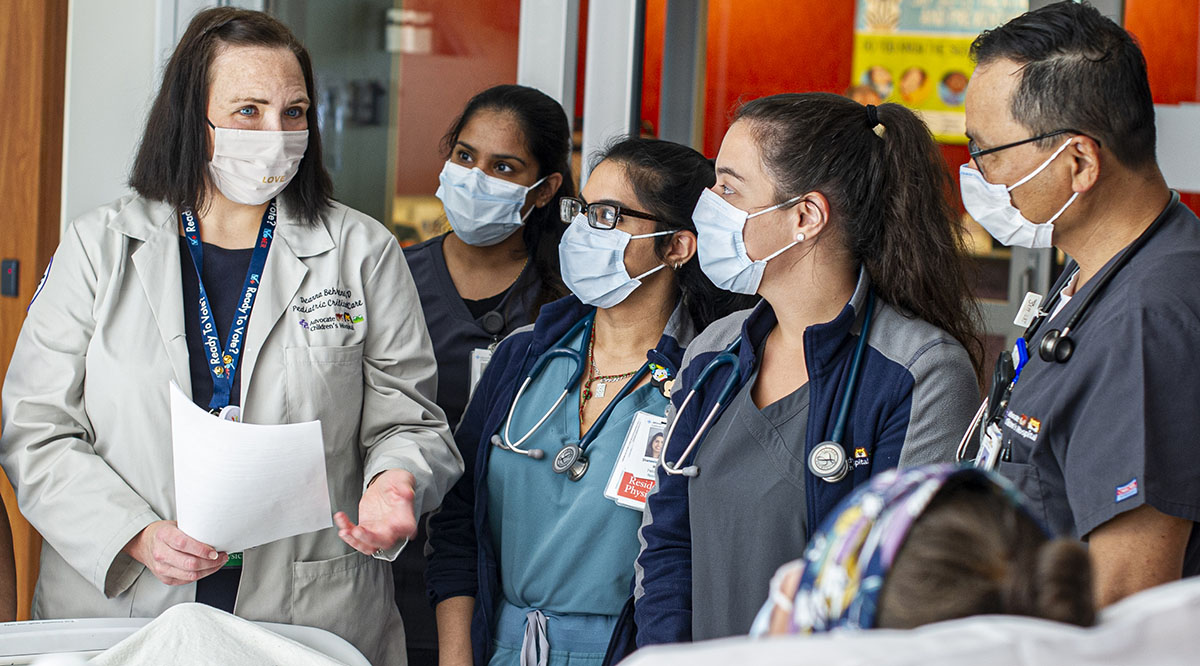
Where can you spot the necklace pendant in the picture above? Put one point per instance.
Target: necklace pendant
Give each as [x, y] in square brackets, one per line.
[598, 390]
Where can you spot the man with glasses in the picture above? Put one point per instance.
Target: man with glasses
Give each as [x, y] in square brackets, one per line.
[1101, 424]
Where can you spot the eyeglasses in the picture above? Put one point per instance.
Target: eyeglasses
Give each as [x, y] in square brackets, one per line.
[976, 153]
[599, 215]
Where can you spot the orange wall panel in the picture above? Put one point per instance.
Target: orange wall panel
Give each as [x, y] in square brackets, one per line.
[763, 47]
[1169, 33]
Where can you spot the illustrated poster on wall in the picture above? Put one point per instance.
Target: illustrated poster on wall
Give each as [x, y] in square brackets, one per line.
[917, 53]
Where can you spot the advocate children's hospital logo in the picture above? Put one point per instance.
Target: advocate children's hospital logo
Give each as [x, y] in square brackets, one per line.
[329, 308]
[1023, 424]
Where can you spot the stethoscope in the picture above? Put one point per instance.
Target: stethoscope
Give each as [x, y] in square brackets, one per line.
[571, 458]
[828, 460]
[1056, 346]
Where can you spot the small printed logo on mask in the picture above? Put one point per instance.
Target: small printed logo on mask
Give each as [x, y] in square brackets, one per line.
[269, 180]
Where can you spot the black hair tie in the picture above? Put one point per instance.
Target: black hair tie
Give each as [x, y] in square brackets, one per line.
[872, 116]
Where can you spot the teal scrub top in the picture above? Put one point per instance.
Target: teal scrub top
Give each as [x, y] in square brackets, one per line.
[562, 546]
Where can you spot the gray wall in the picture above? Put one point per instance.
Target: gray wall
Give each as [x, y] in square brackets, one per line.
[345, 40]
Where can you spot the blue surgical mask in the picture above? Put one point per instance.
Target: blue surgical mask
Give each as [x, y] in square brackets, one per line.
[593, 263]
[483, 210]
[722, 248]
[990, 204]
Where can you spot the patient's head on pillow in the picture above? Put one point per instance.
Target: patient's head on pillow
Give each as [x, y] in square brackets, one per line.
[924, 545]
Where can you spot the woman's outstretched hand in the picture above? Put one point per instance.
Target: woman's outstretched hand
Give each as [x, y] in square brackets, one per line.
[385, 514]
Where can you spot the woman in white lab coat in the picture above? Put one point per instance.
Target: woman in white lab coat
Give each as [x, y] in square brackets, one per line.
[233, 215]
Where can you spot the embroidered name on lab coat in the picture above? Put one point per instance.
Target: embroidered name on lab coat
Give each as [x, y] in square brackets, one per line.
[329, 308]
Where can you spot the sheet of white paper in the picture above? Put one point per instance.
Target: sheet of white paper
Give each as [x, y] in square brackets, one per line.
[240, 485]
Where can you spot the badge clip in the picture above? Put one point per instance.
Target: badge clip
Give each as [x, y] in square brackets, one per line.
[1029, 310]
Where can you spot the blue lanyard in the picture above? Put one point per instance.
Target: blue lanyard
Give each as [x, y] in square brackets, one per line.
[223, 365]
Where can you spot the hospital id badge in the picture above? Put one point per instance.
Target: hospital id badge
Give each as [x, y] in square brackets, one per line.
[989, 448]
[633, 475]
[479, 362]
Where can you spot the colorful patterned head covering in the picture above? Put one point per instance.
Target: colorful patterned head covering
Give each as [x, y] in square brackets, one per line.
[844, 565]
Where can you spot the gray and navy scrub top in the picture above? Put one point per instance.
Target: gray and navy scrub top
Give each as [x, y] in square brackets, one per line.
[457, 326]
[224, 273]
[561, 545]
[760, 455]
[1117, 425]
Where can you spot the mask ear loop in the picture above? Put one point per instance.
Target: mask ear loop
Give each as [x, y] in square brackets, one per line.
[1045, 164]
[787, 247]
[532, 188]
[660, 266]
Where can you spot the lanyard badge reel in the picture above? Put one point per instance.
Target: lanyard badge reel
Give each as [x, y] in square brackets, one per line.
[1004, 378]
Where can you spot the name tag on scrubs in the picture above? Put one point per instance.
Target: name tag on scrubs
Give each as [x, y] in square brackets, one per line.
[479, 361]
[989, 448]
[633, 477]
[1029, 310]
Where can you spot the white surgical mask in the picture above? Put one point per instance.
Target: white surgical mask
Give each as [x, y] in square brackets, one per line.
[483, 210]
[593, 263]
[991, 206]
[252, 166]
[722, 248]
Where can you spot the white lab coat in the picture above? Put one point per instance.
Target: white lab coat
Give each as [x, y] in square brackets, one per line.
[86, 419]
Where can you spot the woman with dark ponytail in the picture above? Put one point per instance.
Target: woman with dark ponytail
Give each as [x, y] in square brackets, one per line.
[918, 546]
[863, 355]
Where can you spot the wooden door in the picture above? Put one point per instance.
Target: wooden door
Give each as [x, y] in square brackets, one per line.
[33, 50]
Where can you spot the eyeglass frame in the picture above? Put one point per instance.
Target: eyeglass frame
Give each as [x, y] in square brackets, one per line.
[976, 154]
[593, 220]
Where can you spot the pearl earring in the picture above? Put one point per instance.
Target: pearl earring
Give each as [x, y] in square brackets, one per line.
[800, 237]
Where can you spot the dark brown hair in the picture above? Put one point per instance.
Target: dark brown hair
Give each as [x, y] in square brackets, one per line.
[172, 159]
[889, 195]
[547, 137]
[1080, 71]
[973, 552]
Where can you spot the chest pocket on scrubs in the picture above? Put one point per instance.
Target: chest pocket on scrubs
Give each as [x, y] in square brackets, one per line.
[1024, 475]
[325, 383]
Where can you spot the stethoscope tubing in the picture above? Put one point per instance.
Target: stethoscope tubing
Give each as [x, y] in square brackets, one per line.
[728, 356]
[504, 440]
[977, 423]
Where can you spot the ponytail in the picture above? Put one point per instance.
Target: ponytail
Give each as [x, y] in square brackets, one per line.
[887, 183]
[1063, 583]
[911, 243]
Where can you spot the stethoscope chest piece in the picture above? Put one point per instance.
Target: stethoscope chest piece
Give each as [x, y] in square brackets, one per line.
[566, 459]
[828, 461]
[1056, 347]
[577, 470]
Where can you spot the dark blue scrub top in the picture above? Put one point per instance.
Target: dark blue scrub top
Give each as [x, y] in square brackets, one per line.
[455, 330]
[1116, 426]
[224, 274]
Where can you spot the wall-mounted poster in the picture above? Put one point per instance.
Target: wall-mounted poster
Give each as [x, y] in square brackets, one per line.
[917, 53]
